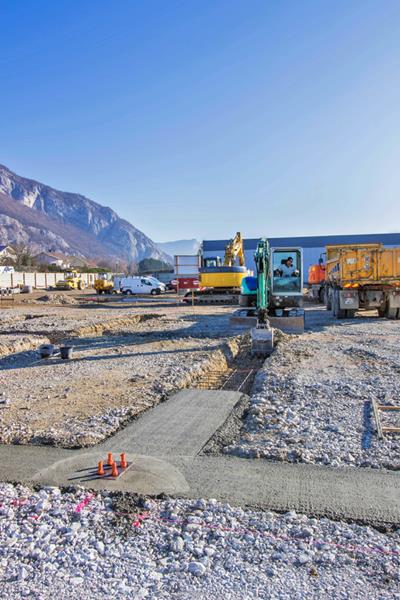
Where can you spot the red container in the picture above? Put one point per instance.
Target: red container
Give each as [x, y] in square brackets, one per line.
[188, 283]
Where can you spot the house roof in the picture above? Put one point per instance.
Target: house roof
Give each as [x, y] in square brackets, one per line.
[52, 255]
[7, 247]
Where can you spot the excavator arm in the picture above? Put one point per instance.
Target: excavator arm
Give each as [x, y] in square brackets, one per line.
[262, 259]
[262, 340]
[233, 250]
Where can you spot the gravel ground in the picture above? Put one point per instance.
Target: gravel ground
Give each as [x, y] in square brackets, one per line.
[58, 323]
[122, 365]
[79, 547]
[312, 400]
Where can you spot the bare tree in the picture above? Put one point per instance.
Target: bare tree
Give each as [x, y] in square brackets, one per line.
[133, 268]
[23, 255]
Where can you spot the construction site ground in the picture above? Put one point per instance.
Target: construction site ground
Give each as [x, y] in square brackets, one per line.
[312, 401]
[128, 355]
[222, 459]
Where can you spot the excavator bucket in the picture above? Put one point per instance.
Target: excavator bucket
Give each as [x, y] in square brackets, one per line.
[262, 340]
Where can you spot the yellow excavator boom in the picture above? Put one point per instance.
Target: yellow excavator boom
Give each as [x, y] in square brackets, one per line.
[233, 250]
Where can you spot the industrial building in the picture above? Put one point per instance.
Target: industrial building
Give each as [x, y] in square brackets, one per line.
[313, 246]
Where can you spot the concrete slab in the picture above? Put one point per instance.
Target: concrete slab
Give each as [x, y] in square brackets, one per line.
[181, 426]
[365, 495]
[170, 438]
[145, 475]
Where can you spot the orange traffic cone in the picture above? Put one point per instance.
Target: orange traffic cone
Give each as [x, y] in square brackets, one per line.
[114, 470]
[100, 468]
[110, 459]
[123, 464]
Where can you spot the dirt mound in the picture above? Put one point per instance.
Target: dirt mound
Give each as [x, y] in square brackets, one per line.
[57, 299]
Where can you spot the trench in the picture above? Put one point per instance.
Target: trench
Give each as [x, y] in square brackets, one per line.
[235, 373]
[27, 340]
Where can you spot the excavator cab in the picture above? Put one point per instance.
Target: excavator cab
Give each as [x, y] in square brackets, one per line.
[286, 277]
[212, 262]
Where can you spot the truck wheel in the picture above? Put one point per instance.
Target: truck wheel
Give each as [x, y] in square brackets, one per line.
[382, 310]
[338, 312]
[350, 314]
[328, 299]
[391, 313]
[321, 295]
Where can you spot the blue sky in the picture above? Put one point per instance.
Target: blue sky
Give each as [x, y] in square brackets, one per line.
[198, 119]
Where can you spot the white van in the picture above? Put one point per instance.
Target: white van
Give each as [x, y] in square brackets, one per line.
[141, 285]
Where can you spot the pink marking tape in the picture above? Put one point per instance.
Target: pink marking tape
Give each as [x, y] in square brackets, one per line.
[239, 531]
[84, 503]
[286, 538]
[140, 518]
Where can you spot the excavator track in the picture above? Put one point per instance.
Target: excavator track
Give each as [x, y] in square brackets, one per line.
[198, 297]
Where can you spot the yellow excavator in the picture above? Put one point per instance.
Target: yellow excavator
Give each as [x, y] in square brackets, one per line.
[220, 280]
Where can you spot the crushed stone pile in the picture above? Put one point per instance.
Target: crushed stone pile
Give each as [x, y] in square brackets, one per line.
[77, 545]
[312, 400]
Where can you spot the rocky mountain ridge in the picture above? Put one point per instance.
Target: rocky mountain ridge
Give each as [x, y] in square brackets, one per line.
[50, 220]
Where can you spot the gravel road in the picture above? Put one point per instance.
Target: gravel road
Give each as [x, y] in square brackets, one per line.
[77, 546]
[311, 401]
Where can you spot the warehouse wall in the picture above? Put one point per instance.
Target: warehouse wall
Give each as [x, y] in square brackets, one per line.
[313, 246]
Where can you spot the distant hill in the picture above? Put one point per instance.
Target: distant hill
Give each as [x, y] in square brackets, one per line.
[49, 220]
[180, 247]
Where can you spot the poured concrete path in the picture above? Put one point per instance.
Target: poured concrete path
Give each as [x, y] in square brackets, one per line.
[164, 446]
[179, 427]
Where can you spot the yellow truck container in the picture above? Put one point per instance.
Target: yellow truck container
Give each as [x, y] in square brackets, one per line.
[363, 276]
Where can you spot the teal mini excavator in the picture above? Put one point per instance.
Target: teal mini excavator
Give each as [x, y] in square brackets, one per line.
[275, 294]
[262, 335]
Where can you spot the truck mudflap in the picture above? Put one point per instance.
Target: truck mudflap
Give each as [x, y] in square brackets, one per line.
[394, 299]
[349, 299]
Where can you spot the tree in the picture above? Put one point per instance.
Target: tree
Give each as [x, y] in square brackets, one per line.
[147, 265]
[23, 256]
[133, 268]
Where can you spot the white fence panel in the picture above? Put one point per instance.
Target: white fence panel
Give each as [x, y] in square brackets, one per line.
[5, 279]
[29, 279]
[39, 280]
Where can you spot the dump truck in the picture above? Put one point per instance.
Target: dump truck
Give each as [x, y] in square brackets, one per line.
[362, 276]
[72, 281]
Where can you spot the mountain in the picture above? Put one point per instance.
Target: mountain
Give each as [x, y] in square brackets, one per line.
[180, 247]
[47, 219]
